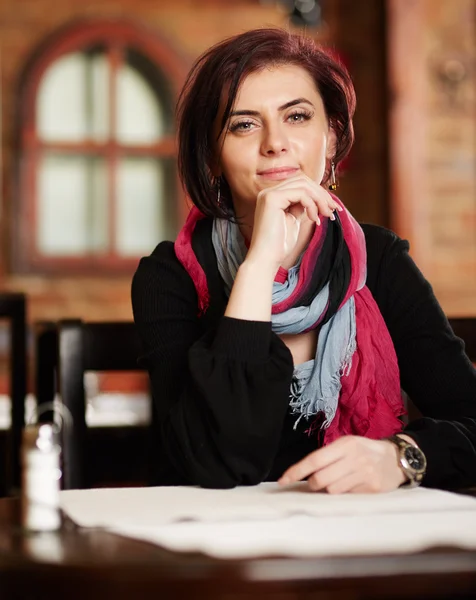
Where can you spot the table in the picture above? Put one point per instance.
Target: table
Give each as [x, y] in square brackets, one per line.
[92, 563]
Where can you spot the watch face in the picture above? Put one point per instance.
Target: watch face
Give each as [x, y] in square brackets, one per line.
[415, 458]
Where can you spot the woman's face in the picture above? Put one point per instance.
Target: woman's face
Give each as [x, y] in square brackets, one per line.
[277, 129]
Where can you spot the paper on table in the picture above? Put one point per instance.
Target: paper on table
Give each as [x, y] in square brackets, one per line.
[268, 520]
[306, 536]
[152, 507]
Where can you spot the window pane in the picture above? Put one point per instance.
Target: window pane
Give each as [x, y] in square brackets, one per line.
[145, 212]
[72, 103]
[72, 206]
[140, 115]
[97, 94]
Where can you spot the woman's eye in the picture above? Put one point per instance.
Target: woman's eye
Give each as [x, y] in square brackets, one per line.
[298, 117]
[242, 126]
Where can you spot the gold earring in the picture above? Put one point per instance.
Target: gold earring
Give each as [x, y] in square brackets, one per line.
[333, 183]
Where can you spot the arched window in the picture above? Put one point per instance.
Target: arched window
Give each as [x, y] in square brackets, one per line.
[97, 161]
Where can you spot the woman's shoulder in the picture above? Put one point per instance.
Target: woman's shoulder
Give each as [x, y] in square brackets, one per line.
[163, 251]
[383, 246]
[160, 260]
[380, 240]
[159, 272]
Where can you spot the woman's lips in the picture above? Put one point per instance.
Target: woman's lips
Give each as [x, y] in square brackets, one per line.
[278, 173]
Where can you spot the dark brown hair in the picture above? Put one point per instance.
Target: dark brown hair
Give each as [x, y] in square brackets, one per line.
[226, 65]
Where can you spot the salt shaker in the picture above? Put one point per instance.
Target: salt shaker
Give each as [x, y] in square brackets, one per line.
[41, 476]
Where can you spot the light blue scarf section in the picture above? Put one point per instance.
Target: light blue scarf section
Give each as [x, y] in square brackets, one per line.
[316, 383]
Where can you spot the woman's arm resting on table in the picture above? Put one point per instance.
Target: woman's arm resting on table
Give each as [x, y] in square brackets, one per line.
[435, 372]
[220, 396]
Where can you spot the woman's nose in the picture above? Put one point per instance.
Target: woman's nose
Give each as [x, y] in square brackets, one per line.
[274, 141]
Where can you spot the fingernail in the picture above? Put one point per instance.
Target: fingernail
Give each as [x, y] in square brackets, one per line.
[332, 217]
[339, 208]
[318, 221]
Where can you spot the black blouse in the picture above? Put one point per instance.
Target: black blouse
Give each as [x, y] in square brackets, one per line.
[221, 385]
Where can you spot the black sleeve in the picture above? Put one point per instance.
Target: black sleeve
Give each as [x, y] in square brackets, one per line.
[220, 396]
[435, 371]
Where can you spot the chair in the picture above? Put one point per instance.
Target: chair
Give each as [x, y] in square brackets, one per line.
[46, 356]
[13, 309]
[81, 347]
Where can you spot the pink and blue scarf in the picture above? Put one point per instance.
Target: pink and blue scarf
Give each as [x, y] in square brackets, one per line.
[352, 386]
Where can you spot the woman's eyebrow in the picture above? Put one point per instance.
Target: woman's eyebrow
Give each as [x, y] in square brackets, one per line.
[294, 102]
[255, 113]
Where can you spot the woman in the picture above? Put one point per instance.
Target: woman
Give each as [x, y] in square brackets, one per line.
[278, 332]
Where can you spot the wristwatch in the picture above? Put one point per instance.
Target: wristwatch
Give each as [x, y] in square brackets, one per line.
[411, 460]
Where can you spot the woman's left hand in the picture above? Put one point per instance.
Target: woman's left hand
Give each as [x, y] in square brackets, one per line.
[350, 464]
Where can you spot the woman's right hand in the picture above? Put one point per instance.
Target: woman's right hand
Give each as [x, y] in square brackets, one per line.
[279, 212]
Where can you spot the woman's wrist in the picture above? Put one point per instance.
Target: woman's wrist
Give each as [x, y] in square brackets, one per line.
[400, 475]
[259, 267]
[251, 295]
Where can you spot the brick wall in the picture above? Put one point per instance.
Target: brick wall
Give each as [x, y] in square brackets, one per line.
[451, 151]
[432, 58]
